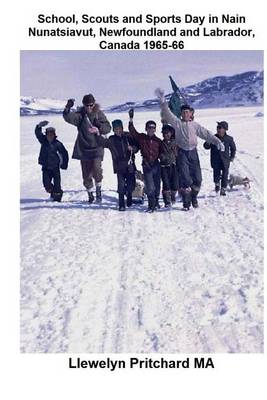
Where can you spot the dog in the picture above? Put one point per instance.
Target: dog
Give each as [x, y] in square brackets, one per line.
[139, 190]
[235, 180]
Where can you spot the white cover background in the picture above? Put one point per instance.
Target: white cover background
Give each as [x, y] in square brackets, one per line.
[48, 376]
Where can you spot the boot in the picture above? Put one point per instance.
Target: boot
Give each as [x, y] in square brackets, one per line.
[223, 192]
[129, 199]
[151, 204]
[217, 187]
[90, 197]
[50, 189]
[167, 198]
[157, 205]
[121, 202]
[98, 194]
[57, 196]
[173, 196]
[194, 201]
[186, 197]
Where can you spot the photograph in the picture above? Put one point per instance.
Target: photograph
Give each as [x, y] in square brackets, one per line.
[141, 201]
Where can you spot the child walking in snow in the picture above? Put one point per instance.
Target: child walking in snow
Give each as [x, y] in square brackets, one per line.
[187, 132]
[122, 147]
[220, 160]
[52, 157]
[150, 146]
[169, 172]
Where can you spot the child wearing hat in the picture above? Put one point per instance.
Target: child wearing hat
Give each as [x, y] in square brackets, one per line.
[52, 157]
[169, 172]
[220, 160]
[122, 147]
[187, 131]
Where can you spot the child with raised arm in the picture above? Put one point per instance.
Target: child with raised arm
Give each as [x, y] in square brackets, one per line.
[52, 157]
[186, 133]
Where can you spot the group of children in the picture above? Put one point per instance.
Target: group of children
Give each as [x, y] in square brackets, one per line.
[172, 160]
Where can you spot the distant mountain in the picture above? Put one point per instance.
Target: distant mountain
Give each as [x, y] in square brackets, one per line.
[40, 106]
[244, 89]
[226, 91]
[239, 90]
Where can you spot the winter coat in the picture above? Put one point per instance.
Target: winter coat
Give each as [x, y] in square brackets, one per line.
[186, 133]
[118, 146]
[150, 147]
[86, 146]
[52, 155]
[217, 156]
[168, 153]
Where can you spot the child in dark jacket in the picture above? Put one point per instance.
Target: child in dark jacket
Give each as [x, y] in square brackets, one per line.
[220, 160]
[122, 148]
[150, 146]
[169, 172]
[52, 157]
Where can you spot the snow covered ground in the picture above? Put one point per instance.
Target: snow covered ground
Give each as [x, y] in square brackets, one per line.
[96, 280]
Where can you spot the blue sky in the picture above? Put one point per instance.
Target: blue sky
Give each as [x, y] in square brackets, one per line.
[115, 77]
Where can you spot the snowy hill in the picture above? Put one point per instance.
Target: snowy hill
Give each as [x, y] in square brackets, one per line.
[237, 90]
[221, 91]
[40, 106]
[244, 89]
